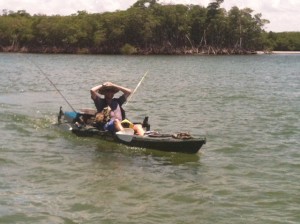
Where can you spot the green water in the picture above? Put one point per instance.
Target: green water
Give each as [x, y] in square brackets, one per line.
[248, 172]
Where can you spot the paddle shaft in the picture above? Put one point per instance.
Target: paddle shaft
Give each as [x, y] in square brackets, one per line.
[138, 85]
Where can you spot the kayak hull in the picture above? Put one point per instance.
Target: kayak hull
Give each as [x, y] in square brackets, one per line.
[161, 142]
[167, 144]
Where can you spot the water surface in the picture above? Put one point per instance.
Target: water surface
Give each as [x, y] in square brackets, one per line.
[247, 106]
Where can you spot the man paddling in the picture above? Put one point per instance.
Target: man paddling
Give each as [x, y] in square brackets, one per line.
[116, 113]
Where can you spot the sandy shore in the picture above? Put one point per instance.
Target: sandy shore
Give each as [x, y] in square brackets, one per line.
[279, 52]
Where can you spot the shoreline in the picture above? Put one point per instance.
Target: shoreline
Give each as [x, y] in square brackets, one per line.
[185, 51]
[278, 52]
[286, 52]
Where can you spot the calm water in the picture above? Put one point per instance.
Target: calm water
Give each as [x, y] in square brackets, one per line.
[248, 172]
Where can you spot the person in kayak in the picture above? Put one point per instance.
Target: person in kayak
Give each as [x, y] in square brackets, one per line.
[116, 112]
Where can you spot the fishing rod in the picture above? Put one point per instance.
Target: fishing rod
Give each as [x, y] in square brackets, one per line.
[41, 71]
[138, 85]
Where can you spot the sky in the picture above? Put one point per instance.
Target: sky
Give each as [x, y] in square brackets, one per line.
[283, 14]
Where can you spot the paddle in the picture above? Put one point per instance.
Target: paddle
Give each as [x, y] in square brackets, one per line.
[125, 135]
[135, 89]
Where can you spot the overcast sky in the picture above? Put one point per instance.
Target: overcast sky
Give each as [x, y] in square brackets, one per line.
[283, 14]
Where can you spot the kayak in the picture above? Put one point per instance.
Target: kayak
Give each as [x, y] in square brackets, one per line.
[82, 124]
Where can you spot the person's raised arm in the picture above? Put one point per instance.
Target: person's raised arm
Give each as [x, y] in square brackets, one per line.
[126, 91]
[94, 91]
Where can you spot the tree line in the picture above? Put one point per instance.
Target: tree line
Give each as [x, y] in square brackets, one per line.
[283, 41]
[147, 27]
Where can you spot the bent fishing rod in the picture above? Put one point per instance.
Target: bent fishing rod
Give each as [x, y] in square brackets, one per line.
[42, 72]
[138, 85]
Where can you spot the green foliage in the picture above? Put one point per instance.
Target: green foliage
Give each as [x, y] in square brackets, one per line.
[146, 26]
[15, 29]
[284, 41]
[128, 49]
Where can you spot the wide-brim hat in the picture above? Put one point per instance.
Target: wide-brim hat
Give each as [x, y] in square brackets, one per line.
[106, 89]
